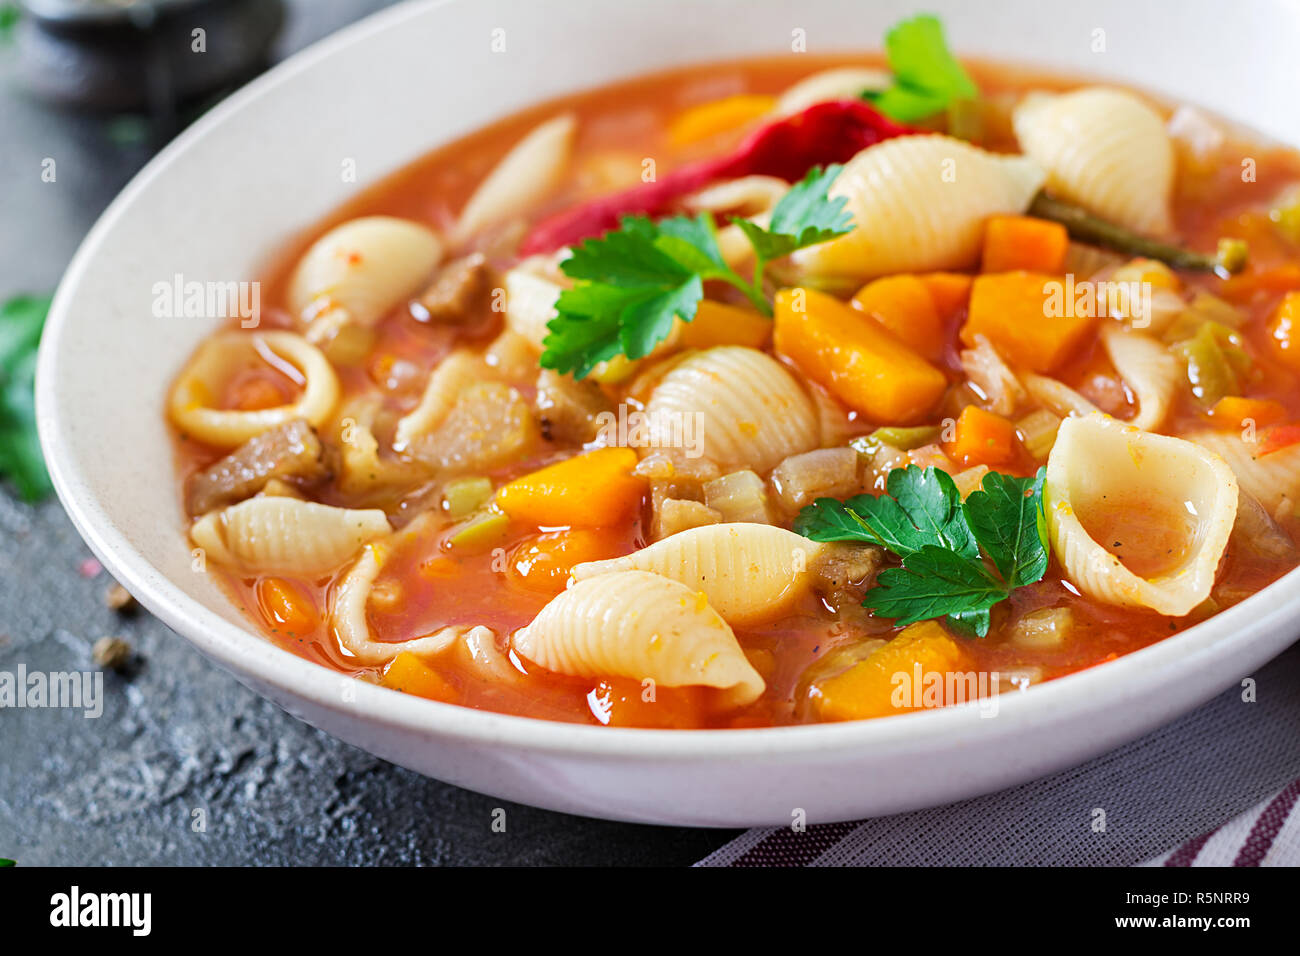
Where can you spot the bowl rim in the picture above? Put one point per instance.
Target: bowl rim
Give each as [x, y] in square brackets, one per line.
[255, 659]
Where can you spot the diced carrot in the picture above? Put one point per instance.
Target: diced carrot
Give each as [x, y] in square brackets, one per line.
[903, 305]
[1023, 242]
[1285, 278]
[543, 562]
[409, 674]
[893, 679]
[1018, 315]
[950, 290]
[1284, 329]
[1234, 412]
[865, 366]
[439, 566]
[1279, 437]
[587, 491]
[709, 119]
[287, 608]
[716, 323]
[622, 702]
[982, 438]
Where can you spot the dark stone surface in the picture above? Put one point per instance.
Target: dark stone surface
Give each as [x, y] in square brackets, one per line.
[180, 742]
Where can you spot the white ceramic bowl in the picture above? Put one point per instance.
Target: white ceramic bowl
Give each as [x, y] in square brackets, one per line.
[266, 163]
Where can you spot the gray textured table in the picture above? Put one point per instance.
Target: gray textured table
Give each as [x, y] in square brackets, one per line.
[179, 735]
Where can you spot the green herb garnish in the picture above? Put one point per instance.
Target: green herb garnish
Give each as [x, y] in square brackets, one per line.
[927, 77]
[21, 321]
[959, 558]
[633, 282]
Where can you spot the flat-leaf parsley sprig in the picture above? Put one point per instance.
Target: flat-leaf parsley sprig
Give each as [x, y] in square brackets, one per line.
[631, 283]
[960, 558]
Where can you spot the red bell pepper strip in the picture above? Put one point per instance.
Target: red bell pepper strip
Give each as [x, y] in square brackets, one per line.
[787, 148]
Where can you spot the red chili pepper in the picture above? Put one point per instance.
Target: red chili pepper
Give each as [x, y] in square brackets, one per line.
[824, 133]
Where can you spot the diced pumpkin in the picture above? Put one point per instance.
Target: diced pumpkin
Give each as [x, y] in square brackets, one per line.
[543, 562]
[903, 305]
[409, 674]
[923, 652]
[1234, 412]
[1284, 329]
[710, 119]
[982, 438]
[1284, 278]
[862, 364]
[621, 702]
[717, 323]
[1011, 309]
[1022, 242]
[949, 290]
[286, 607]
[587, 491]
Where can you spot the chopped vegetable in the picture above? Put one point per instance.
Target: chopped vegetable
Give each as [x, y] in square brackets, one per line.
[949, 290]
[927, 77]
[718, 324]
[1279, 437]
[1046, 628]
[855, 358]
[923, 520]
[1286, 214]
[21, 321]
[1284, 329]
[1216, 362]
[1087, 228]
[903, 305]
[484, 531]
[633, 283]
[464, 496]
[544, 561]
[869, 687]
[1024, 243]
[1011, 309]
[787, 148]
[1234, 412]
[719, 116]
[904, 439]
[408, 673]
[286, 608]
[588, 490]
[1038, 432]
[982, 438]
[739, 496]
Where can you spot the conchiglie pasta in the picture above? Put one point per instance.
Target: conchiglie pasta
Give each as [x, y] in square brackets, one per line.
[919, 204]
[352, 630]
[642, 626]
[1137, 519]
[842, 83]
[522, 179]
[365, 266]
[192, 399]
[1104, 149]
[1148, 369]
[281, 535]
[749, 573]
[1270, 479]
[746, 409]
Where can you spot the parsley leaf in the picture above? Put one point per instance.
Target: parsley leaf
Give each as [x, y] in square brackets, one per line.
[21, 321]
[927, 77]
[943, 543]
[634, 282]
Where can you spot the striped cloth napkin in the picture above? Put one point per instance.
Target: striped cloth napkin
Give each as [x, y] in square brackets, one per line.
[1218, 787]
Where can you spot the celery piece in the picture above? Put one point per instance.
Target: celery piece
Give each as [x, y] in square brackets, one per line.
[483, 531]
[906, 439]
[464, 496]
[1216, 362]
[966, 120]
[1286, 214]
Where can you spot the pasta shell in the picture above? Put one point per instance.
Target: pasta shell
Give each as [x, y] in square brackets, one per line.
[1168, 504]
[749, 411]
[643, 626]
[367, 266]
[919, 203]
[1104, 149]
[841, 83]
[1148, 369]
[279, 535]
[1267, 478]
[530, 304]
[749, 573]
[192, 397]
[523, 178]
[352, 631]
